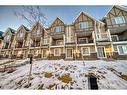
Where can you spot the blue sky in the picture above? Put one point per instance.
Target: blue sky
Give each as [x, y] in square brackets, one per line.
[66, 13]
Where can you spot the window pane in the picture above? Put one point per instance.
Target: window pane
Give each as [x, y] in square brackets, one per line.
[85, 51]
[118, 20]
[57, 52]
[125, 49]
[57, 29]
[83, 25]
[121, 50]
[113, 21]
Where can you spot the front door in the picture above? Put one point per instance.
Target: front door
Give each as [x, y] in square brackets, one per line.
[101, 52]
[44, 53]
[69, 53]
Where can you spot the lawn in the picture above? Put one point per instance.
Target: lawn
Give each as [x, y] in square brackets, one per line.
[60, 74]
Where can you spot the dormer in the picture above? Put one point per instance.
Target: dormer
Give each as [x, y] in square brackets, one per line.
[57, 26]
[85, 22]
[21, 33]
[116, 17]
[37, 31]
[8, 35]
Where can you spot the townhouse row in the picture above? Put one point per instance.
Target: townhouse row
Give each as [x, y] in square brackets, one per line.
[85, 39]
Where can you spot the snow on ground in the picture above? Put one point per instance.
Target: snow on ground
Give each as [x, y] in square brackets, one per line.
[60, 74]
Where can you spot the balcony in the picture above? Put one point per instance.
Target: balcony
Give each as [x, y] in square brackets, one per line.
[103, 36]
[18, 46]
[57, 43]
[85, 41]
[20, 39]
[117, 28]
[36, 36]
[116, 38]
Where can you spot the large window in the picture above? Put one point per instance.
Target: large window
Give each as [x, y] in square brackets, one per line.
[8, 37]
[114, 38]
[118, 20]
[86, 51]
[38, 32]
[122, 50]
[84, 25]
[57, 52]
[46, 41]
[57, 29]
[83, 40]
[21, 35]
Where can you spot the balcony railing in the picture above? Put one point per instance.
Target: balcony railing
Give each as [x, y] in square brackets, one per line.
[85, 42]
[119, 39]
[103, 36]
[57, 33]
[35, 35]
[20, 38]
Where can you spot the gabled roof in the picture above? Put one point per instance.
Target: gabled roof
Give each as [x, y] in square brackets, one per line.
[34, 25]
[1, 34]
[8, 30]
[25, 28]
[119, 7]
[57, 18]
[85, 13]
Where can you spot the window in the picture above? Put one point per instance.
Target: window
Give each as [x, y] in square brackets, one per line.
[21, 35]
[38, 32]
[118, 20]
[8, 37]
[44, 53]
[86, 51]
[122, 50]
[45, 41]
[57, 29]
[83, 40]
[114, 38]
[57, 52]
[83, 25]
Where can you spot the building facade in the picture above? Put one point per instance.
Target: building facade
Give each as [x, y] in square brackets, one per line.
[85, 39]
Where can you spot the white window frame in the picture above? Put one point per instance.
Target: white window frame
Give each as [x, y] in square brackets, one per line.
[43, 53]
[117, 19]
[8, 37]
[84, 38]
[116, 37]
[57, 29]
[88, 51]
[104, 52]
[38, 32]
[21, 34]
[72, 53]
[58, 50]
[119, 50]
[45, 41]
[84, 25]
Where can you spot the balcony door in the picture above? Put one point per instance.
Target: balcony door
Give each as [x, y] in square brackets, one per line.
[101, 52]
[69, 53]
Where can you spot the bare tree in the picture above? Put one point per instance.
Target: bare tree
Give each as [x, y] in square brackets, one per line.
[32, 14]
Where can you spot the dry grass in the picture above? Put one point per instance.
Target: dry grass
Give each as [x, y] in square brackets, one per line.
[65, 78]
[40, 86]
[51, 86]
[48, 75]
